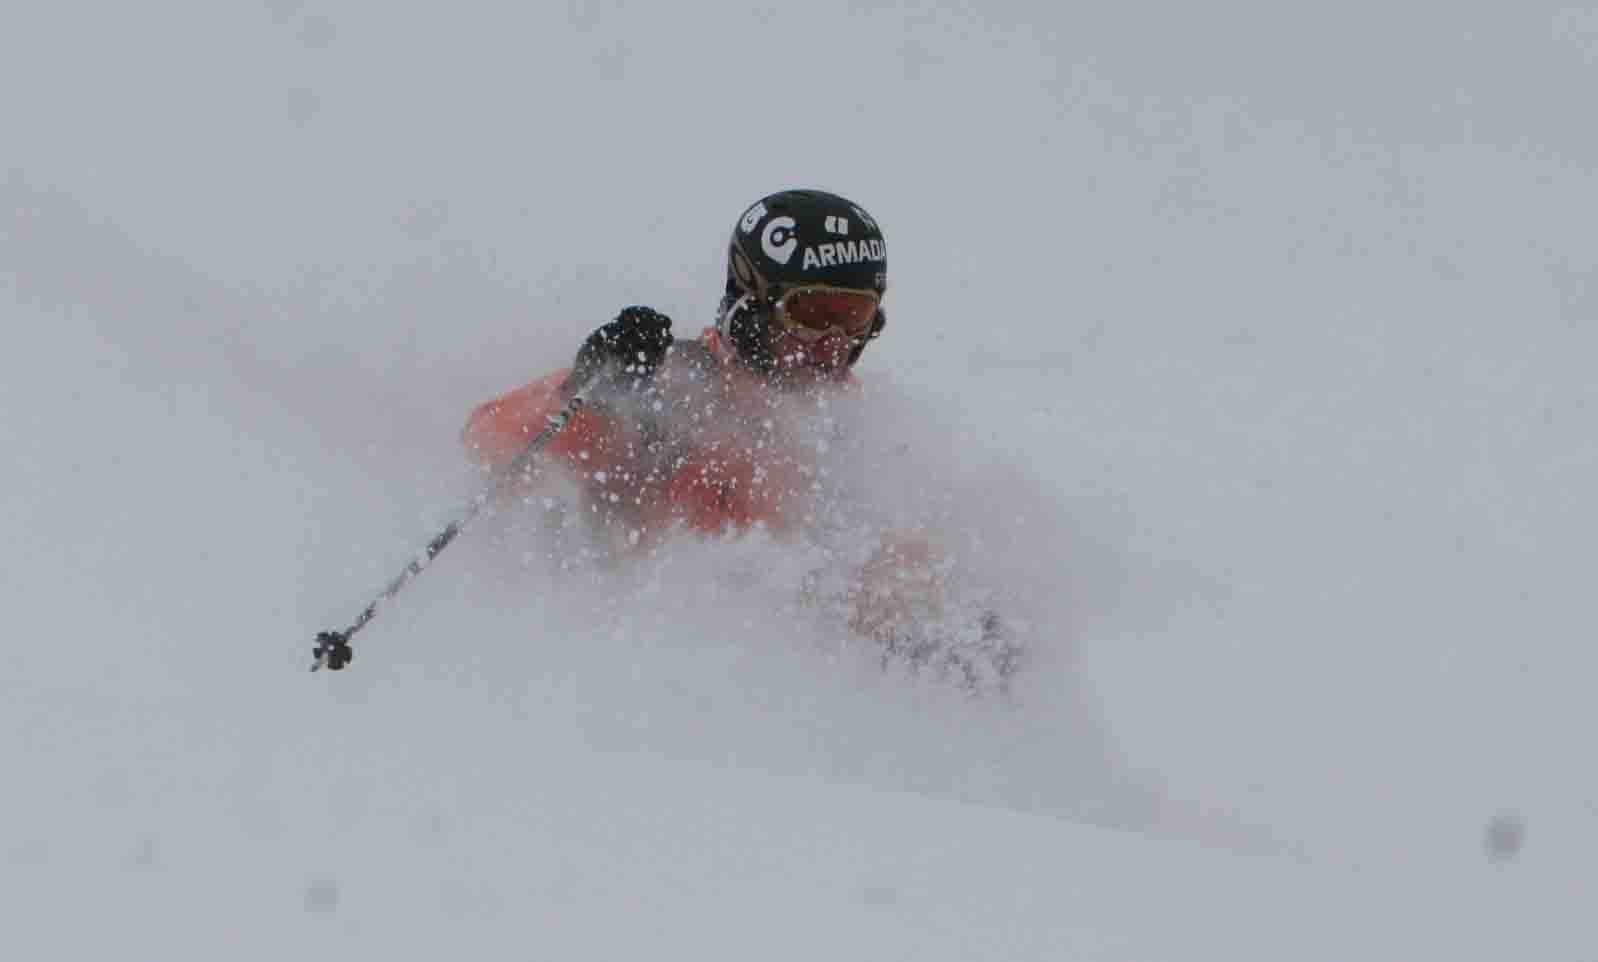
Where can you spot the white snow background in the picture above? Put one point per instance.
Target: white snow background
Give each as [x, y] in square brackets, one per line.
[1260, 335]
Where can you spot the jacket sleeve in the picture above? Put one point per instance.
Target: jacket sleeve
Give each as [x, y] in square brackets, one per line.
[499, 430]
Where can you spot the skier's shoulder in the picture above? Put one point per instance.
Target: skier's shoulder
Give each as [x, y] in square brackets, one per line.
[691, 370]
[518, 403]
[497, 427]
[695, 355]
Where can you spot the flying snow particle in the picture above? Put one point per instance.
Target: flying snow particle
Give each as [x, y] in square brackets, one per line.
[1505, 835]
[322, 896]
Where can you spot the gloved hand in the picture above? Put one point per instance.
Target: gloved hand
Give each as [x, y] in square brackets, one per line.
[632, 346]
[334, 646]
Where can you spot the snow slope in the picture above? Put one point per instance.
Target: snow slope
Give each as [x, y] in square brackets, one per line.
[1252, 343]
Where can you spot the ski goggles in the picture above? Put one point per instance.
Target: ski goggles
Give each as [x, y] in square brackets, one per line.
[816, 310]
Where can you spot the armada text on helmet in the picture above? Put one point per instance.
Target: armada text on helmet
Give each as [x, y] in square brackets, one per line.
[779, 240]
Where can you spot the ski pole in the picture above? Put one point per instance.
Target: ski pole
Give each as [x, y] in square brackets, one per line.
[332, 649]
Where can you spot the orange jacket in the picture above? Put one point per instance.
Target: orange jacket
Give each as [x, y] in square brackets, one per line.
[706, 448]
[709, 460]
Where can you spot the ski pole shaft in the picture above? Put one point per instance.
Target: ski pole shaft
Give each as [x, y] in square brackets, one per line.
[333, 647]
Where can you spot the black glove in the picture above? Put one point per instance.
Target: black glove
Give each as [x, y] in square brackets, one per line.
[334, 646]
[632, 346]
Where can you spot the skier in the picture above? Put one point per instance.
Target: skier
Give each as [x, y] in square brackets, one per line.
[689, 430]
[701, 434]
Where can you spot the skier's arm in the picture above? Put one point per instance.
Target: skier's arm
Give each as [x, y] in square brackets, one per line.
[498, 430]
[626, 350]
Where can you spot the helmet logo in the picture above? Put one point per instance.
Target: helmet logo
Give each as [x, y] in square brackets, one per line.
[778, 240]
[754, 215]
[838, 225]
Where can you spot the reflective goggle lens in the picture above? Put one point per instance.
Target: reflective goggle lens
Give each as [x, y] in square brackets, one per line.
[811, 312]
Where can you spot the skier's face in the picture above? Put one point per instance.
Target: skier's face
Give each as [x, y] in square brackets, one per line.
[824, 356]
[813, 329]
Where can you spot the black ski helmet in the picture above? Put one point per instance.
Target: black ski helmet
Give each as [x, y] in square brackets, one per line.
[791, 238]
